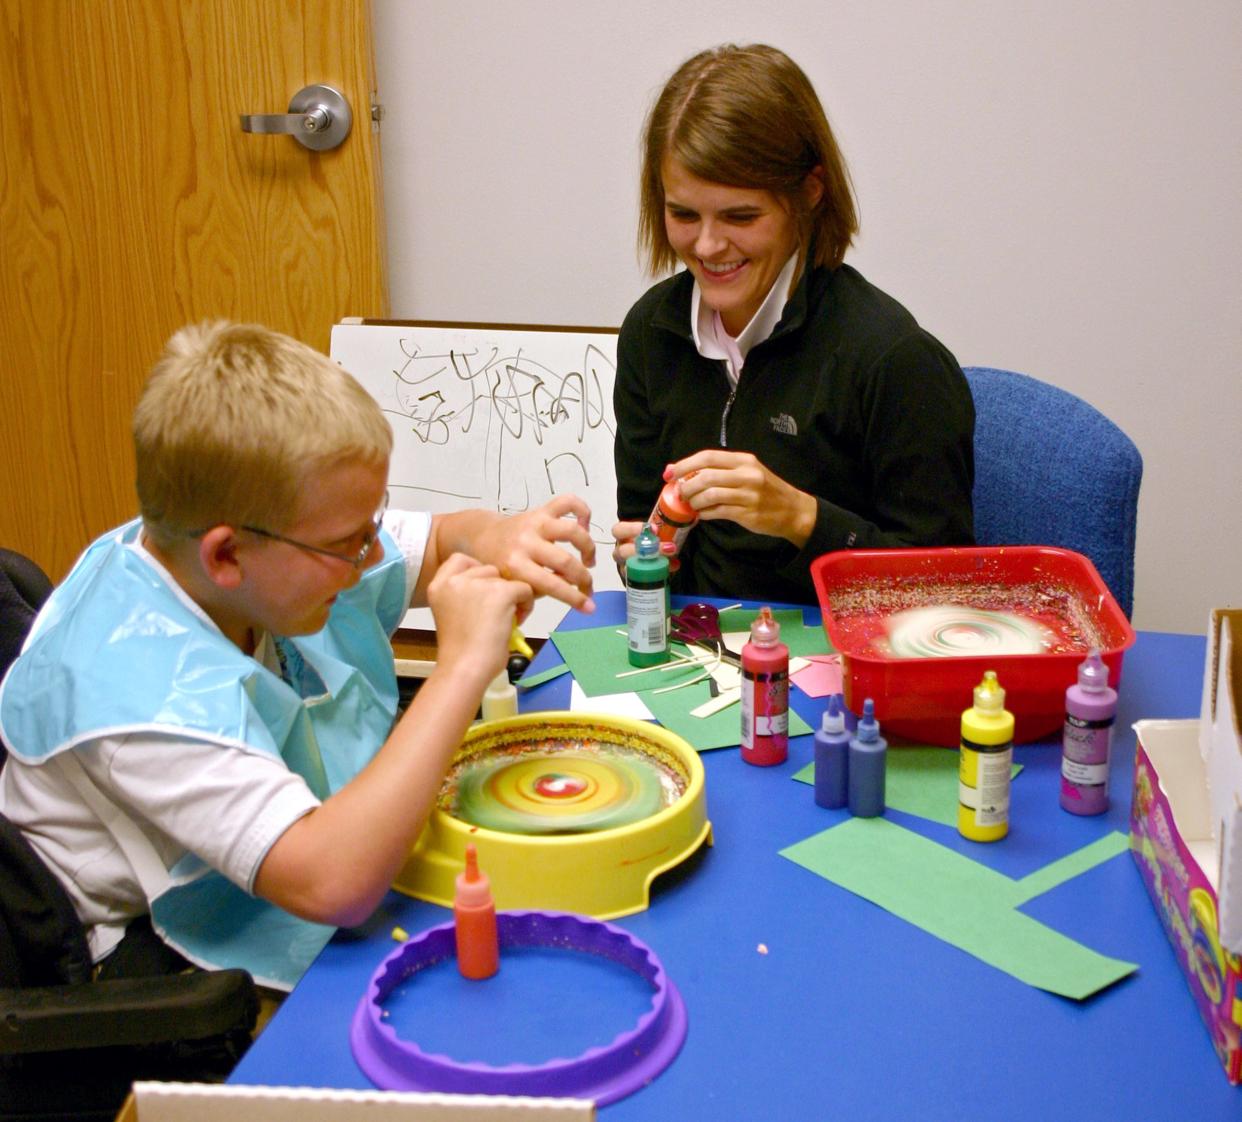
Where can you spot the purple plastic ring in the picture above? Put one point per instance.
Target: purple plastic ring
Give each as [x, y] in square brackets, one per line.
[604, 1074]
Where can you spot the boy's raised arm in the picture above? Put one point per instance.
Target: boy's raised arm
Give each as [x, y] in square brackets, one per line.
[549, 548]
[334, 864]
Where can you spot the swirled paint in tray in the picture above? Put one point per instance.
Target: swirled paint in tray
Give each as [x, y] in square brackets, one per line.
[558, 787]
[952, 618]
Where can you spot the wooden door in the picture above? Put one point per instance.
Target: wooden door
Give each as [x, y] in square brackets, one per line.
[131, 203]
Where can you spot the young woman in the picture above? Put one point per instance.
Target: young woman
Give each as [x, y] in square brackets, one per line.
[799, 408]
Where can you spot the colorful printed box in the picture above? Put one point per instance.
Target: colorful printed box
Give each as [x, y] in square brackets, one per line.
[1220, 745]
[1186, 837]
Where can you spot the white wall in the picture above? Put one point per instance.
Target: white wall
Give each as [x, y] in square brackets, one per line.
[1051, 187]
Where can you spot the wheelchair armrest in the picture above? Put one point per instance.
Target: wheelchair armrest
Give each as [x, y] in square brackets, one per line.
[126, 1011]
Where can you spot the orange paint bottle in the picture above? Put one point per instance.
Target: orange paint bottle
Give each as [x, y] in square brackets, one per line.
[672, 519]
[474, 917]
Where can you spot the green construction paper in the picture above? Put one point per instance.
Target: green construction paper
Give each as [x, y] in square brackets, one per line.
[920, 781]
[530, 681]
[596, 655]
[722, 729]
[957, 900]
[801, 640]
[1045, 879]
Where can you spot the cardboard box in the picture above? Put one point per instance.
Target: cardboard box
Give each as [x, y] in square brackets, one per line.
[195, 1102]
[1171, 840]
[1220, 744]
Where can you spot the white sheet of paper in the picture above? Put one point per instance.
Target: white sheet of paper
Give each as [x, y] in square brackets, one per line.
[610, 704]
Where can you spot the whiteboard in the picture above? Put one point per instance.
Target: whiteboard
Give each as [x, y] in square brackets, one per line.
[502, 417]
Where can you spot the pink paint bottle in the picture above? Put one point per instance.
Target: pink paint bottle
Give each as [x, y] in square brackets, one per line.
[1090, 709]
[765, 693]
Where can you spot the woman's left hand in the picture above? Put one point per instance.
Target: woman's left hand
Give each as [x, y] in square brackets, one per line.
[737, 487]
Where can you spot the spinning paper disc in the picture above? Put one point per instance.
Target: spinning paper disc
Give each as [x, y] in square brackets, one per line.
[557, 792]
[950, 630]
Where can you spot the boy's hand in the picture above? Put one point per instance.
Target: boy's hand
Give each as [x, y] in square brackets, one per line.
[538, 547]
[624, 534]
[474, 609]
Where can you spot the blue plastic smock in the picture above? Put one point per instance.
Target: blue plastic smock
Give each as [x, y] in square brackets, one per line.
[119, 648]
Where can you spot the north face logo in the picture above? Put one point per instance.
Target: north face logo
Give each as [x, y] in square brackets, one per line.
[784, 423]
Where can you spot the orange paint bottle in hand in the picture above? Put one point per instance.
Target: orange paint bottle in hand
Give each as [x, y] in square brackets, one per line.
[672, 519]
[474, 918]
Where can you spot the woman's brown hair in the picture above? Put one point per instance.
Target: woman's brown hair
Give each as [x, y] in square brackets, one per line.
[747, 117]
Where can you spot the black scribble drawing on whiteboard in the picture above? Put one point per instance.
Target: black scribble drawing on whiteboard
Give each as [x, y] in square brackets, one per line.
[496, 426]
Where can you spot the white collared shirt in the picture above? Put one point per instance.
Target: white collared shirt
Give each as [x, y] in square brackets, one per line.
[713, 341]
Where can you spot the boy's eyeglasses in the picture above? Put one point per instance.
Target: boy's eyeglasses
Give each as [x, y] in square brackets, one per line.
[356, 560]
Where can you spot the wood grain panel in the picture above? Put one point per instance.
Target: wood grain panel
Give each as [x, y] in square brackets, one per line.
[131, 203]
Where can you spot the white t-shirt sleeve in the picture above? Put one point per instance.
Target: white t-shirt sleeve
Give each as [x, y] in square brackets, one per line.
[411, 530]
[224, 804]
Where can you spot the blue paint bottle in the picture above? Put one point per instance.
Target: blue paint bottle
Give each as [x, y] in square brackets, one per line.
[832, 746]
[868, 758]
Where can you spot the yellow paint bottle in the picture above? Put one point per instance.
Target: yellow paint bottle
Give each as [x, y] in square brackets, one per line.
[986, 761]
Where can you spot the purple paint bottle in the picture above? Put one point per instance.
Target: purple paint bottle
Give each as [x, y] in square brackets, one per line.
[1090, 708]
[832, 746]
[868, 758]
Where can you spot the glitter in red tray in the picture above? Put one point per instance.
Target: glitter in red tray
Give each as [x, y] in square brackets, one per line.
[861, 611]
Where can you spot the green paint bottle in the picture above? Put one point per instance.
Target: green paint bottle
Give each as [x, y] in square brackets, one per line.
[646, 601]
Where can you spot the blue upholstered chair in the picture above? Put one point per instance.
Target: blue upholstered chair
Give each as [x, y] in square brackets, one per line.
[1052, 470]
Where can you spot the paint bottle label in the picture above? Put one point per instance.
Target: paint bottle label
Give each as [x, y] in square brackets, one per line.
[646, 619]
[765, 713]
[646, 602]
[672, 519]
[1084, 763]
[983, 782]
[765, 694]
[985, 764]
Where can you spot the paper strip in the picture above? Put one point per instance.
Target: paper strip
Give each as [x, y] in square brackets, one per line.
[956, 899]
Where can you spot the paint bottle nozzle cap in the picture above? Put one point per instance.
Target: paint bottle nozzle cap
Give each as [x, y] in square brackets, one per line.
[647, 545]
[990, 694]
[473, 887]
[765, 631]
[518, 643]
[1092, 673]
[834, 715]
[868, 730]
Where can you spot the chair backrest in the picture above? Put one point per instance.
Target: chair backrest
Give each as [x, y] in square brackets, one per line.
[23, 589]
[1052, 470]
[42, 941]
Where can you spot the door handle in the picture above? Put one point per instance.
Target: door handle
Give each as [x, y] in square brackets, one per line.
[319, 117]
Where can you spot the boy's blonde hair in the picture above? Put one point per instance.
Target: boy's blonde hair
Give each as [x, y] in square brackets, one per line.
[233, 420]
[746, 117]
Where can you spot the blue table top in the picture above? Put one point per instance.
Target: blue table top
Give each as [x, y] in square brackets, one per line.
[852, 1012]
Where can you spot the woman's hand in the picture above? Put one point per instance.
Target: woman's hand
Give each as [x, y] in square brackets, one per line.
[737, 487]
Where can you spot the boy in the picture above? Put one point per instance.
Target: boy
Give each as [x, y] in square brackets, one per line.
[200, 726]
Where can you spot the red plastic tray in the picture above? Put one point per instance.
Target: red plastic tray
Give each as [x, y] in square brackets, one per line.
[923, 698]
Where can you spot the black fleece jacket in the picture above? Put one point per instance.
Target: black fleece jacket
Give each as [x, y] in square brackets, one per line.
[848, 399]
